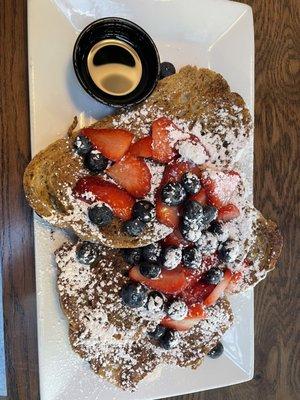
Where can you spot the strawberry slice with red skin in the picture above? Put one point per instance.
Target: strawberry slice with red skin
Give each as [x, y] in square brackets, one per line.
[201, 197]
[219, 186]
[142, 148]
[167, 215]
[228, 213]
[132, 174]
[219, 289]
[197, 292]
[163, 150]
[209, 261]
[112, 143]
[118, 199]
[195, 315]
[175, 239]
[175, 171]
[169, 282]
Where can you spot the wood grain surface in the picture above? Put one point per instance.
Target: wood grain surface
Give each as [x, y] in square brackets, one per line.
[277, 194]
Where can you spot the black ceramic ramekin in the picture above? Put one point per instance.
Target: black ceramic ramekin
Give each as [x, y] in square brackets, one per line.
[137, 38]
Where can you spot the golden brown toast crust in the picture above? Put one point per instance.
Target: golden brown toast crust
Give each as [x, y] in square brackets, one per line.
[112, 337]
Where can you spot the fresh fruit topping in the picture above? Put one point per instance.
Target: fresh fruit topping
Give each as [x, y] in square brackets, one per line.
[167, 215]
[142, 148]
[134, 295]
[218, 290]
[219, 186]
[91, 188]
[150, 270]
[218, 230]
[171, 257]
[151, 252]
[216, 351]
[112, 143]
[144, 210]
[193, 211]
[177, 310]
[95, 162]
[191, 183]
[132, 174]
[196, 313]
[86, 253]
[155, 302]
[166, 69]
[191, 257]
[132, 256]
[213, 276]
[173, 194]
[100, 215]
[235, 280]
[169, 340]
[208, 243]
[174, 172]
[228, 213]
[134, 227]
[169, 282]
[192, 221]
[229, 251]
[209, 214]
[158, 332]
[162, 147]
[200, 197]
[196, 292]
[191, 231]
[175, 239]
[82, 145]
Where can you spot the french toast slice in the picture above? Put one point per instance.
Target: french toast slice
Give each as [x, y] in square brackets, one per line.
[199, 100]
[113, 338]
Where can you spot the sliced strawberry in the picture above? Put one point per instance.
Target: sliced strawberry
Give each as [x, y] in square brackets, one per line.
[132, 174]
[200, 196]
[228, 213]
[163, 149]
[169, 282]
[196, 314]
[175, 239]
[142, 148]
[118, 199]
[219, 186]
[209, 262]
[175, 171]
[167, 215]
[197, 292]
[219, 289]
[112, 143]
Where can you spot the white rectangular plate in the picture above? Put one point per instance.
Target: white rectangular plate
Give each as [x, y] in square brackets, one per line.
[210, 33]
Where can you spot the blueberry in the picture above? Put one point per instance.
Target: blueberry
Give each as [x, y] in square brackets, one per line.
[87, 253]
[192, 257]
[191, 183]
[213, 276]
[100, 215]
[155, 302]
[177, 310]
[169, 340]
[209, 214]
[144, 210]
[193, 212]
[166, 69]
[191, 231]
[208, 243]
[171, 257]
[173, 194]
[132, 256]
[150, 270]
[95, 161]
[134, 295]
[134, 227]
[151, 252]
[229, 250]
[217, 351]
[82, 145]
[158, 332]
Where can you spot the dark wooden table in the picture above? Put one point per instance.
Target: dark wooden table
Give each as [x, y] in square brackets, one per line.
[277, 184]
